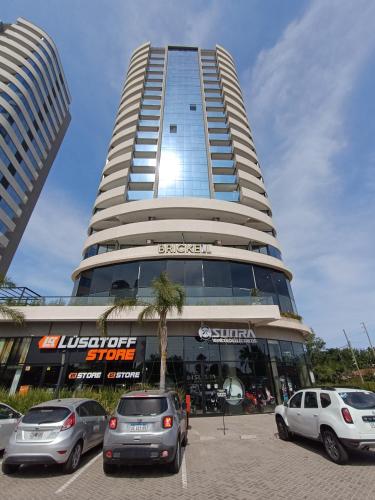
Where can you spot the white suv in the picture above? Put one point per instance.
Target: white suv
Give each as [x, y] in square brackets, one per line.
[339, 417]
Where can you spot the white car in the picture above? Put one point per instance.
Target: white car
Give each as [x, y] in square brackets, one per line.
[341, 418]
[8, 421]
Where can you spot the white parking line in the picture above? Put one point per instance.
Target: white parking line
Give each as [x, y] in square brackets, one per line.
[184, 473]
[77, 474]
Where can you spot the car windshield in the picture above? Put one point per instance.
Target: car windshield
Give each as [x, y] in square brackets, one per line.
[359, 400]
[46, 415]
[129, 407]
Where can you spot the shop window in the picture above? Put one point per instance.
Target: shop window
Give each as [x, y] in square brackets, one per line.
[263, 279]
[51, 376]
[280, 283]
[175, 373]
[5, 349]
[200, 351]
[217, 274]
[285, 304]
[125, 277]
[235, 352]
[175, 271]
[175, 348]
[19, 351]
[31, 376]
[150, 270]
[152, 349]
[242, 277]
[298, 350]
[193, 273]
[102, 279]
[286, 351]
[82, 285]
[260, 349]
[274, 349]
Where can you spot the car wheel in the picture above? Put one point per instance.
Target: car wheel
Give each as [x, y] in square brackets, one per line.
[74, 458]
[175, 465]
[10, 468]
[185, 440]
[109, 468]
[283, 430]
[335, 450]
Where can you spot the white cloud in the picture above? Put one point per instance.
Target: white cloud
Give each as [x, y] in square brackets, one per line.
[300, 89]
[51, 245]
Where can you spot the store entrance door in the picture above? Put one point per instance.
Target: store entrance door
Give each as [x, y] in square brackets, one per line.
[202, 383]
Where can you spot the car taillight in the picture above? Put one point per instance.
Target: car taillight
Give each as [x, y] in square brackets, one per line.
[113, 423]
[346, 415]
[167, 422]
[69, 422]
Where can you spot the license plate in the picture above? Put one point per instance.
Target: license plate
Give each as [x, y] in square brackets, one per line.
[372, 425]
[35, 435]
[138, 427]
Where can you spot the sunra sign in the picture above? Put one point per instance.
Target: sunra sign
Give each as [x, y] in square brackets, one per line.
[227, 335]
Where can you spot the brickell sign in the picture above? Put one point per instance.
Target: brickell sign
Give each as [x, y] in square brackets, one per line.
[184, 248]
[98, 348]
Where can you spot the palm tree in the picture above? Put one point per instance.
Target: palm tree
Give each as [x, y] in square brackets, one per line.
[6, 311]
[167, 298]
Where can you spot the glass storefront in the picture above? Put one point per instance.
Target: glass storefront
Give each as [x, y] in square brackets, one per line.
[255, 376]
[205, 281]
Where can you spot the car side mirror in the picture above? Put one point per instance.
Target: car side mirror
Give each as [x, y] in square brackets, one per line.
[286, 403]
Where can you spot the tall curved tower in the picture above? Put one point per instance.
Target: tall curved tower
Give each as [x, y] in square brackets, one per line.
[34, 116]
[181, 171]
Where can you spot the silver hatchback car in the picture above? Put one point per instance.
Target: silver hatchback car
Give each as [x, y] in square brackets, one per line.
[147, 427]
[56, 432]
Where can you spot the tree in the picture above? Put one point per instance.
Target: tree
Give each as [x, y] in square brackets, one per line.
[168, 297]
[315, 346]
[6, 311]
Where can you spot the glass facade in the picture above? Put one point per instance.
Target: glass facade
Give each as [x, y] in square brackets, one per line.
[183, 169]
[206, 282]
[255, 376]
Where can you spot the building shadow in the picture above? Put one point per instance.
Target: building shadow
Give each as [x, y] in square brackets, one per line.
[356, 457]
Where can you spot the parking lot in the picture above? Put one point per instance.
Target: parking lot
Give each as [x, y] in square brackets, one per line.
[249, 461]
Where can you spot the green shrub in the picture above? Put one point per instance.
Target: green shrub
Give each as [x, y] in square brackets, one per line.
[107, 396]
[291, 315]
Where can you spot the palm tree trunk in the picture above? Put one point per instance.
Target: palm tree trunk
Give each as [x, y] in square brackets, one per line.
[163, 344]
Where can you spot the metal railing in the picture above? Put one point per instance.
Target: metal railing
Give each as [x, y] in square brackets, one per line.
[107, 301]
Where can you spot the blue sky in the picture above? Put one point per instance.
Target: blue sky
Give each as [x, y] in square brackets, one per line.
[307, 71]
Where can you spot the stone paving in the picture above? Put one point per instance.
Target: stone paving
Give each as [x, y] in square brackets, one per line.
[248, 462]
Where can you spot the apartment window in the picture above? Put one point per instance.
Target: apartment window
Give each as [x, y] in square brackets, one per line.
[173, 129]
[193, 107]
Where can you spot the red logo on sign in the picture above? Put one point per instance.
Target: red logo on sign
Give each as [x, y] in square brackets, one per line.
[49, 342]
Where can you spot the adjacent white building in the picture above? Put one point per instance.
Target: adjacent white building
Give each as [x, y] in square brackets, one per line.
[34, 116]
